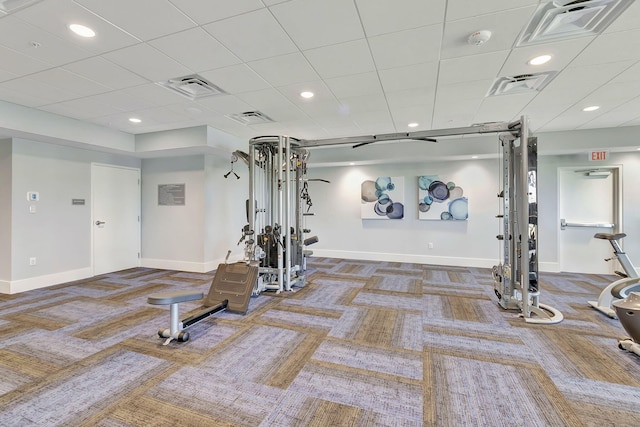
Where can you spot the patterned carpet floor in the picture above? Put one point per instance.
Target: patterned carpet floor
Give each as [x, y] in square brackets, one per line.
[362, 344]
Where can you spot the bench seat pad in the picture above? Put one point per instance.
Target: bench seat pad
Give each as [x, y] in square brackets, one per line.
[173, 297]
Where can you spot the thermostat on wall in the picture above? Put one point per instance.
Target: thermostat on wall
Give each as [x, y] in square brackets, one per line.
[33, 196]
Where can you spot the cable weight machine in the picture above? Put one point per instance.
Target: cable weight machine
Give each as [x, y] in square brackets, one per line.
[516, 277]
[274, 233]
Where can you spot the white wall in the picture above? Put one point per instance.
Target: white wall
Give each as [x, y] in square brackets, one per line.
[5, 212]
[473, 243]
[58, 234]
[342, 233]
[194, 237]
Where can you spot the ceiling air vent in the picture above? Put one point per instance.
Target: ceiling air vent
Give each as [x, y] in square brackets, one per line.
[250, 118]
[522, 83]
[8, 6]
[193, 87]
[565, 19]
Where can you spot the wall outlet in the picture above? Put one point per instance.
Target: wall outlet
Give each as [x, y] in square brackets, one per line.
[32, 260]
[430, 245]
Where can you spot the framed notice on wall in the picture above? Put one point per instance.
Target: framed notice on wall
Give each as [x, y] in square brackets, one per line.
[171, 195]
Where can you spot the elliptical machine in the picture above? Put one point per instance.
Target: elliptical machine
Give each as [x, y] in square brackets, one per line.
[621, 288]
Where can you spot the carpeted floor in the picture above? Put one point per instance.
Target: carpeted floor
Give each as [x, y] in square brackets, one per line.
[363, 344]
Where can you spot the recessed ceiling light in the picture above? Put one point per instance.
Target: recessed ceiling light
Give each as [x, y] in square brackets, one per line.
[539, 60]
[474, 157]
[306, 94]
[592, 108]
[82, 31]
[413, 125]
[135, 120]
[351, 163]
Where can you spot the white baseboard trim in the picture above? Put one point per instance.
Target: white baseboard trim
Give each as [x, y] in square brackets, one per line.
[549, 267]
[23, 285]
[412, 258]
[190, 266]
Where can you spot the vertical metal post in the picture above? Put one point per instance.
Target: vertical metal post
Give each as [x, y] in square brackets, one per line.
[278, 164]
[251, 214]
[523, 226]
[287, 233]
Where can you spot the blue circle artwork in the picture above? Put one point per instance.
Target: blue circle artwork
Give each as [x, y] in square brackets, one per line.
[395, 211]
[459, 208]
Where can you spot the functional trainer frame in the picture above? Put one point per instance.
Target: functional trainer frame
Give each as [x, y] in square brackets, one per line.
[516, 277]
[275, 199]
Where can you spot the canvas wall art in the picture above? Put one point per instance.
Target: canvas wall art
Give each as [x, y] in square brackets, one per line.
[441, 200]
[382, 198]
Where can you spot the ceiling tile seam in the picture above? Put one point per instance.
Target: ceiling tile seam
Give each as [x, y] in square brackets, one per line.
[488, 14]
[375, 66]
[437, 82]
[106, 20]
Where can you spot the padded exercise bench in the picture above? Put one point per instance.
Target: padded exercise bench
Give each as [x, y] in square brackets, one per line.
[230, 290]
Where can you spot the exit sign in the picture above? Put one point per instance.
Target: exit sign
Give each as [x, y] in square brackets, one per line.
[598, 156]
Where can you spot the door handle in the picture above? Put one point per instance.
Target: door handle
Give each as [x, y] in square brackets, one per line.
[100, 222]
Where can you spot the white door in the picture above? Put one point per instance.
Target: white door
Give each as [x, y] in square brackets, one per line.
[588, 205]
[115, 199]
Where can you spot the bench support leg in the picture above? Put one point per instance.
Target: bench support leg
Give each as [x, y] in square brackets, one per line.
[175, 331]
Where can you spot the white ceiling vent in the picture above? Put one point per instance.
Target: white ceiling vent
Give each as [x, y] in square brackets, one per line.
[8, 6]
[564, 19]
[193, 87]
[250, 118]
[521, 84]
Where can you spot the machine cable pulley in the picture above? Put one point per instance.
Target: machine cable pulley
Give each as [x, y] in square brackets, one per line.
[234, 158]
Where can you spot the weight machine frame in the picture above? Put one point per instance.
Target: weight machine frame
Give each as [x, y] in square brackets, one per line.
[281, 161]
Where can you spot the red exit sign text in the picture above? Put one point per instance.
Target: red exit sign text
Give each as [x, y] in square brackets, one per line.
[598, 156]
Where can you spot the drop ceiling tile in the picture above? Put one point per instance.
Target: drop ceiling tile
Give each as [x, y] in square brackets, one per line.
[154, 94]
[54, 16]
[465, 90]
[502, 108]
[196, 49]
[273, 104]
[148, 62]
[409, 77]
[505, 26]
[205, 11]
[83, 108]
[70, 82]
[260, 36]
[236, 79]
[314, 24]
[470, 68]
[619, 116]
[165, 17]
[106, 73]
[33, 88]
[363, 104]
[383, 16]
[19, 97]
[404, 115]
[407, 47]
[562, 53]
[285, 69]
[411, 98]
[466, 8]
[329, 61]
[627, 21]
[21, 36]
[230, 126]
[322, 94]
[18, 64]
[375, 123]
[577, 82]
[5, 75]
[355, 85]
[122, 100]
[611, 47]
[225, 104]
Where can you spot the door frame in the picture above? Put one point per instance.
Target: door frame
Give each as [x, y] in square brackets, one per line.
[616, 172]
[91, 224]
